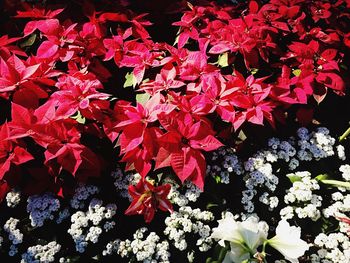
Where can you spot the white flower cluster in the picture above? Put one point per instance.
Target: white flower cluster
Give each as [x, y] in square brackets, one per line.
[258, 169]
[85, 225]
[341, 152]
[301, 198]
[339, 207]
[41, 207]
[122, 182]
[146, 249]
[259, 174]
[15, 235]
[345, 170]
[226, 164]
[82, 193]
[111, 247]
[13, 198]
[333, 248]
[182, 195]
[317, 145]
[41, 254]
[189, 221]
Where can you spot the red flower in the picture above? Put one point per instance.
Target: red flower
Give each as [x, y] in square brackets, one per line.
[181, 147]
[147, 198]
[15, 74]
[115, 46]
[7, 47]
[76, 94]
[10, 153]
[163, 81]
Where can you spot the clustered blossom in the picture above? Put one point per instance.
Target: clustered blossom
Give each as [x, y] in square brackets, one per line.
[182, 195]
[13, 198]
[301, 199]
[122, 182]
[188, 229]
[230, 65]
[171, 128]
[334, 247]
[188, 221]
[14, 235]
[62, 216]
[229, 165]
[41, 253]
[345, 170]
[339, 206]
[260, 174]
[41, 208]
[82, 193]
[86, 227]
[143, 248]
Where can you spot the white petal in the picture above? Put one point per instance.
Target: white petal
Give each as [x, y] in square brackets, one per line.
[287, 241]
[227, 230]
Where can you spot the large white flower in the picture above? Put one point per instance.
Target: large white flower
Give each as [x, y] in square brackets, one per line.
[244, 237]
[287, 241]
[227, 231]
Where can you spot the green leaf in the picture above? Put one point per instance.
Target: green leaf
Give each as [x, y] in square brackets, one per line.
[210, 205]
[142, 98]
[130, 80]
[296, 72]
[223, 60]
[29, 41]
[79, 118]
[242, 136]
[217, 179]
[217, 251]
[293, 178]
[321, 177]
[254, 71]
[222, 254]
[343, 66]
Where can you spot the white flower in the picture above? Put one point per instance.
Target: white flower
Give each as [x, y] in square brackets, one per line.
[237, 254]
[287, 241]
[244, 237]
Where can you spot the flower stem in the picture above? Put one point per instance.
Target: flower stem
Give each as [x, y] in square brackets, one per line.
[344, 135]
[336, 183]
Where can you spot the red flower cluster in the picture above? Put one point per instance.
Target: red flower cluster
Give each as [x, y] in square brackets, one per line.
[232, 64]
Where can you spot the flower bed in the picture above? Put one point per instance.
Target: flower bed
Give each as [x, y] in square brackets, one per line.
[174, 131]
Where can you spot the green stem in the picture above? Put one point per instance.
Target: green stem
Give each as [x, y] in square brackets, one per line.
[344, 135]
[263, 250]
[336, 183]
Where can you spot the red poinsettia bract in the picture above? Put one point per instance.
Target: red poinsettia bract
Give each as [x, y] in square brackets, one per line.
[181, 147]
